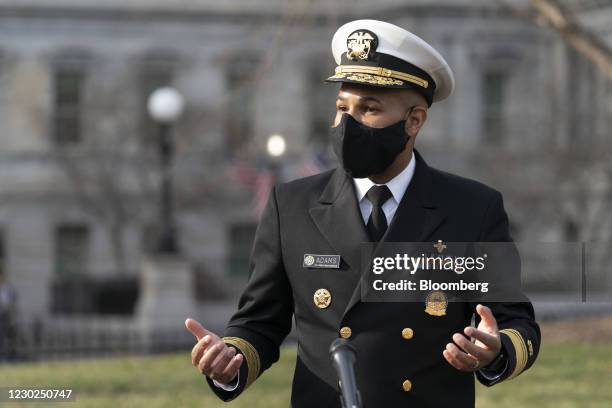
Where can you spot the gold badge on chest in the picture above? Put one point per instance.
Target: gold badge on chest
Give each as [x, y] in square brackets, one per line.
[322, 298]
[436, 303]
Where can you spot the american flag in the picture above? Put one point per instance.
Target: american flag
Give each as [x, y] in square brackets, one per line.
[258, 180]
[244, 174]
[314, 165]
[263, 185]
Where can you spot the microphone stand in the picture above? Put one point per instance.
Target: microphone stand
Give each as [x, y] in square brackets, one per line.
[343, 358]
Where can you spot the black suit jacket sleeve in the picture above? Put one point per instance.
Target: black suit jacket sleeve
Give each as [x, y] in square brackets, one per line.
[265, 308]
[519, 332]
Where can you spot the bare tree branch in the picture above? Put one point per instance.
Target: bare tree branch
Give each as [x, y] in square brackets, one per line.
[574, 34]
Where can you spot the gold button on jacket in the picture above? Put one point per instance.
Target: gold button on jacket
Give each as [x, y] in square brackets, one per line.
[407, 385]
[407, 333]
[345, 332]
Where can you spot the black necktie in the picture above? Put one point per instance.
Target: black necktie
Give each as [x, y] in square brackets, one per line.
[377, 223]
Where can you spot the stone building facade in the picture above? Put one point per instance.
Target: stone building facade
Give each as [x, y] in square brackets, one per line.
[78, 169]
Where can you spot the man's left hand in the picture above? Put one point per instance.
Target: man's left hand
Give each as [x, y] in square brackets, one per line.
[466, 355]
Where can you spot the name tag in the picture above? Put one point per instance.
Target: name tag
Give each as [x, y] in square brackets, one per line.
[321, 261]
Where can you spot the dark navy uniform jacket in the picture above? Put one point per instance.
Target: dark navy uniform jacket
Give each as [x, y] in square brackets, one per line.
[320, 215]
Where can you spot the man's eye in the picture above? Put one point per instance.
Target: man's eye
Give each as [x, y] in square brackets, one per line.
[341, 108]
[370, 109]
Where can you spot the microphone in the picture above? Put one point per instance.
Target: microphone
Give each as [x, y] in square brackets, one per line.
[343, 357]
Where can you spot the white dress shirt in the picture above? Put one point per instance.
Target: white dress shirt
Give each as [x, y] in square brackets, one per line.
[398, 186]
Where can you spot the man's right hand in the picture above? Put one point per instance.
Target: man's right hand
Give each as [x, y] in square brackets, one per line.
[212, 356]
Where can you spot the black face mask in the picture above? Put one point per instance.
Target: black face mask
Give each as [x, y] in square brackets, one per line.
[364, 151]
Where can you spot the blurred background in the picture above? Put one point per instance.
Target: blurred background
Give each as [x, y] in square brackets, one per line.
[139, 140]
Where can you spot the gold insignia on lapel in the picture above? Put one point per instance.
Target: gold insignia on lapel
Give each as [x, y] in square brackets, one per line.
[436, 303]
[361, 45]
[439, 246]
[322, 298]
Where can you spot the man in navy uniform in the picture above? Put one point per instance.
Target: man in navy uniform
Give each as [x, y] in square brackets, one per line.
[383, 191]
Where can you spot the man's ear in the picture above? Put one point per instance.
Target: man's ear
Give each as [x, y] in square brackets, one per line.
[415, 119]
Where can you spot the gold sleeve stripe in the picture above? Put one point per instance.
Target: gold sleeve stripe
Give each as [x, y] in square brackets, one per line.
[250, 354]
[520, 350]
[380, 71]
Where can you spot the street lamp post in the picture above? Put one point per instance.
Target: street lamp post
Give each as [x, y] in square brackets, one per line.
[275, 147]
[165, 106]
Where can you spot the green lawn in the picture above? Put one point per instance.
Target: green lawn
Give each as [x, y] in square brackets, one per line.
[564, 376]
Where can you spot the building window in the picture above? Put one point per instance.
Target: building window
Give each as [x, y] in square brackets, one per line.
[238, 127]
[67, 105]
[71, 251]
[241, 241]
[582, 117]
[71, 287]
[322, 98]
[493, 97]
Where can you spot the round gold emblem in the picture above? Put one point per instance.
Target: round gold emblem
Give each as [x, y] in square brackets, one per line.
[436, 303]
[407, 333]
[346, 332]
[407, 385]
[309, 260]
[322, 298]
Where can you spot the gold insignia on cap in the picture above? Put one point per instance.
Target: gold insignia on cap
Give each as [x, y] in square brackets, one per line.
[361, 45]
[377, 75]
[367, 78]
[436, 303]
[322, 298]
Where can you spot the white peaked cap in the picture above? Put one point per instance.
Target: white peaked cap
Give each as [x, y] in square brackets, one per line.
[397, 42]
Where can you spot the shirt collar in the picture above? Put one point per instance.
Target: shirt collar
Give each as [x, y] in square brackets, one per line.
[398, 184]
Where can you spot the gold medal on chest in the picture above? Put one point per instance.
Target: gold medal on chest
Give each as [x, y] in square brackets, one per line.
[322, 298]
